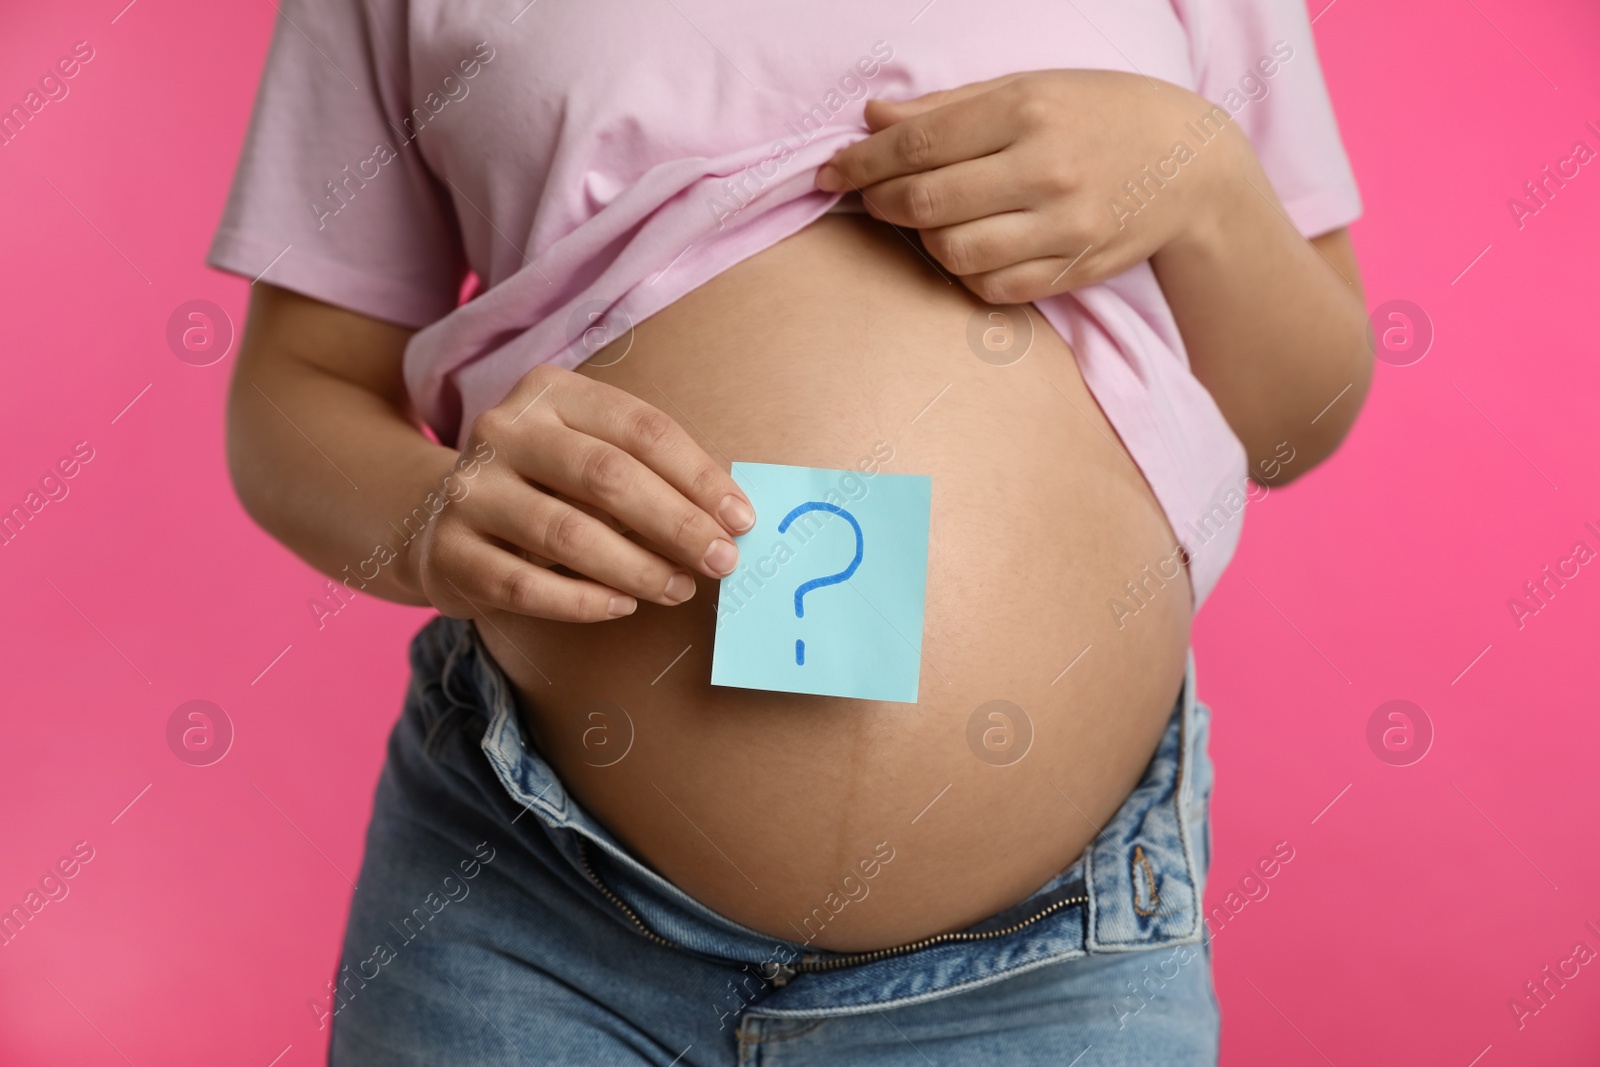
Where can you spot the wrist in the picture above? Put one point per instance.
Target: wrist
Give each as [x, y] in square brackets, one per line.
[1228, 179]
[439, 486]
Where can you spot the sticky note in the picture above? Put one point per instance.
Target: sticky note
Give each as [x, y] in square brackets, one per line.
[829, 593]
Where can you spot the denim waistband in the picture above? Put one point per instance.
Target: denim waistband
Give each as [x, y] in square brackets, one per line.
[1136, 887]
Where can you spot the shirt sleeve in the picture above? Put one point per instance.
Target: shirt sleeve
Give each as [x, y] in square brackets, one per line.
[331, 197]
[1257, 60]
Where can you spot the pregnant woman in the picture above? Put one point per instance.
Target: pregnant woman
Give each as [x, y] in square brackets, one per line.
[527, 282]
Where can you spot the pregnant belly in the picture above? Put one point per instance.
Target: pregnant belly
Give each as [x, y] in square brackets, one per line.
[855, 824]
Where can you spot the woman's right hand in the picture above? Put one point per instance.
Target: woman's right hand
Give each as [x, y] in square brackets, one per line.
[557, 459]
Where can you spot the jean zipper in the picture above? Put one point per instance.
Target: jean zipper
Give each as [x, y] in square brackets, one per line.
[779, 974]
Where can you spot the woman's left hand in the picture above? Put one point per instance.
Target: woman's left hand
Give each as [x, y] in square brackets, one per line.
[1037, 183]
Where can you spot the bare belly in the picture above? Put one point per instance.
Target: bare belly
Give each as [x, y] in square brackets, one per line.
[779, 810]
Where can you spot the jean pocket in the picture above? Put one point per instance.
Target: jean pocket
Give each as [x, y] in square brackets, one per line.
[441, 696]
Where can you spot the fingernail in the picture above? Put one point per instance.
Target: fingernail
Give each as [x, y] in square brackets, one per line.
[679, 588]
[829, 180]
[736, 514]
[621, 605]
[721, 558]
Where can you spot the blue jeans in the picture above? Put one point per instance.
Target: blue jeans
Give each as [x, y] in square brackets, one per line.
[497, 922]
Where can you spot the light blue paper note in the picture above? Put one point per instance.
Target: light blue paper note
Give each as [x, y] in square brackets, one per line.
[828, 596]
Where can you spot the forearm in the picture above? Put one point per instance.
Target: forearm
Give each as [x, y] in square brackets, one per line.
[1273, 329]
[329, 466]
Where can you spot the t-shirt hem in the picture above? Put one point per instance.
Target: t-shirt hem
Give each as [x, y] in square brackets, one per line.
[327, 280]
[1325, 210]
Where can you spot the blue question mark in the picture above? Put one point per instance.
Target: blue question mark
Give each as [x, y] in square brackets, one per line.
[818, 583]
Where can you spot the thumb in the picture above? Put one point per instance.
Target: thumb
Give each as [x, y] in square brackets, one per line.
[883, 113]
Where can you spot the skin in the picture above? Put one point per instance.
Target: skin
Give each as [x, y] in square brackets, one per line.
[586, 500]
[1008, 182]
[573, 459]
[1038, 518]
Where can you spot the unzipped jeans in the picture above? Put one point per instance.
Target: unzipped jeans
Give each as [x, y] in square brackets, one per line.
[496, 922]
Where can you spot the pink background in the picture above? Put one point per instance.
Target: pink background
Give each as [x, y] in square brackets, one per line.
[1416, 905]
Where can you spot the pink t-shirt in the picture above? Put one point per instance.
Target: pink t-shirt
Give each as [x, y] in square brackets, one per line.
[591, 163]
